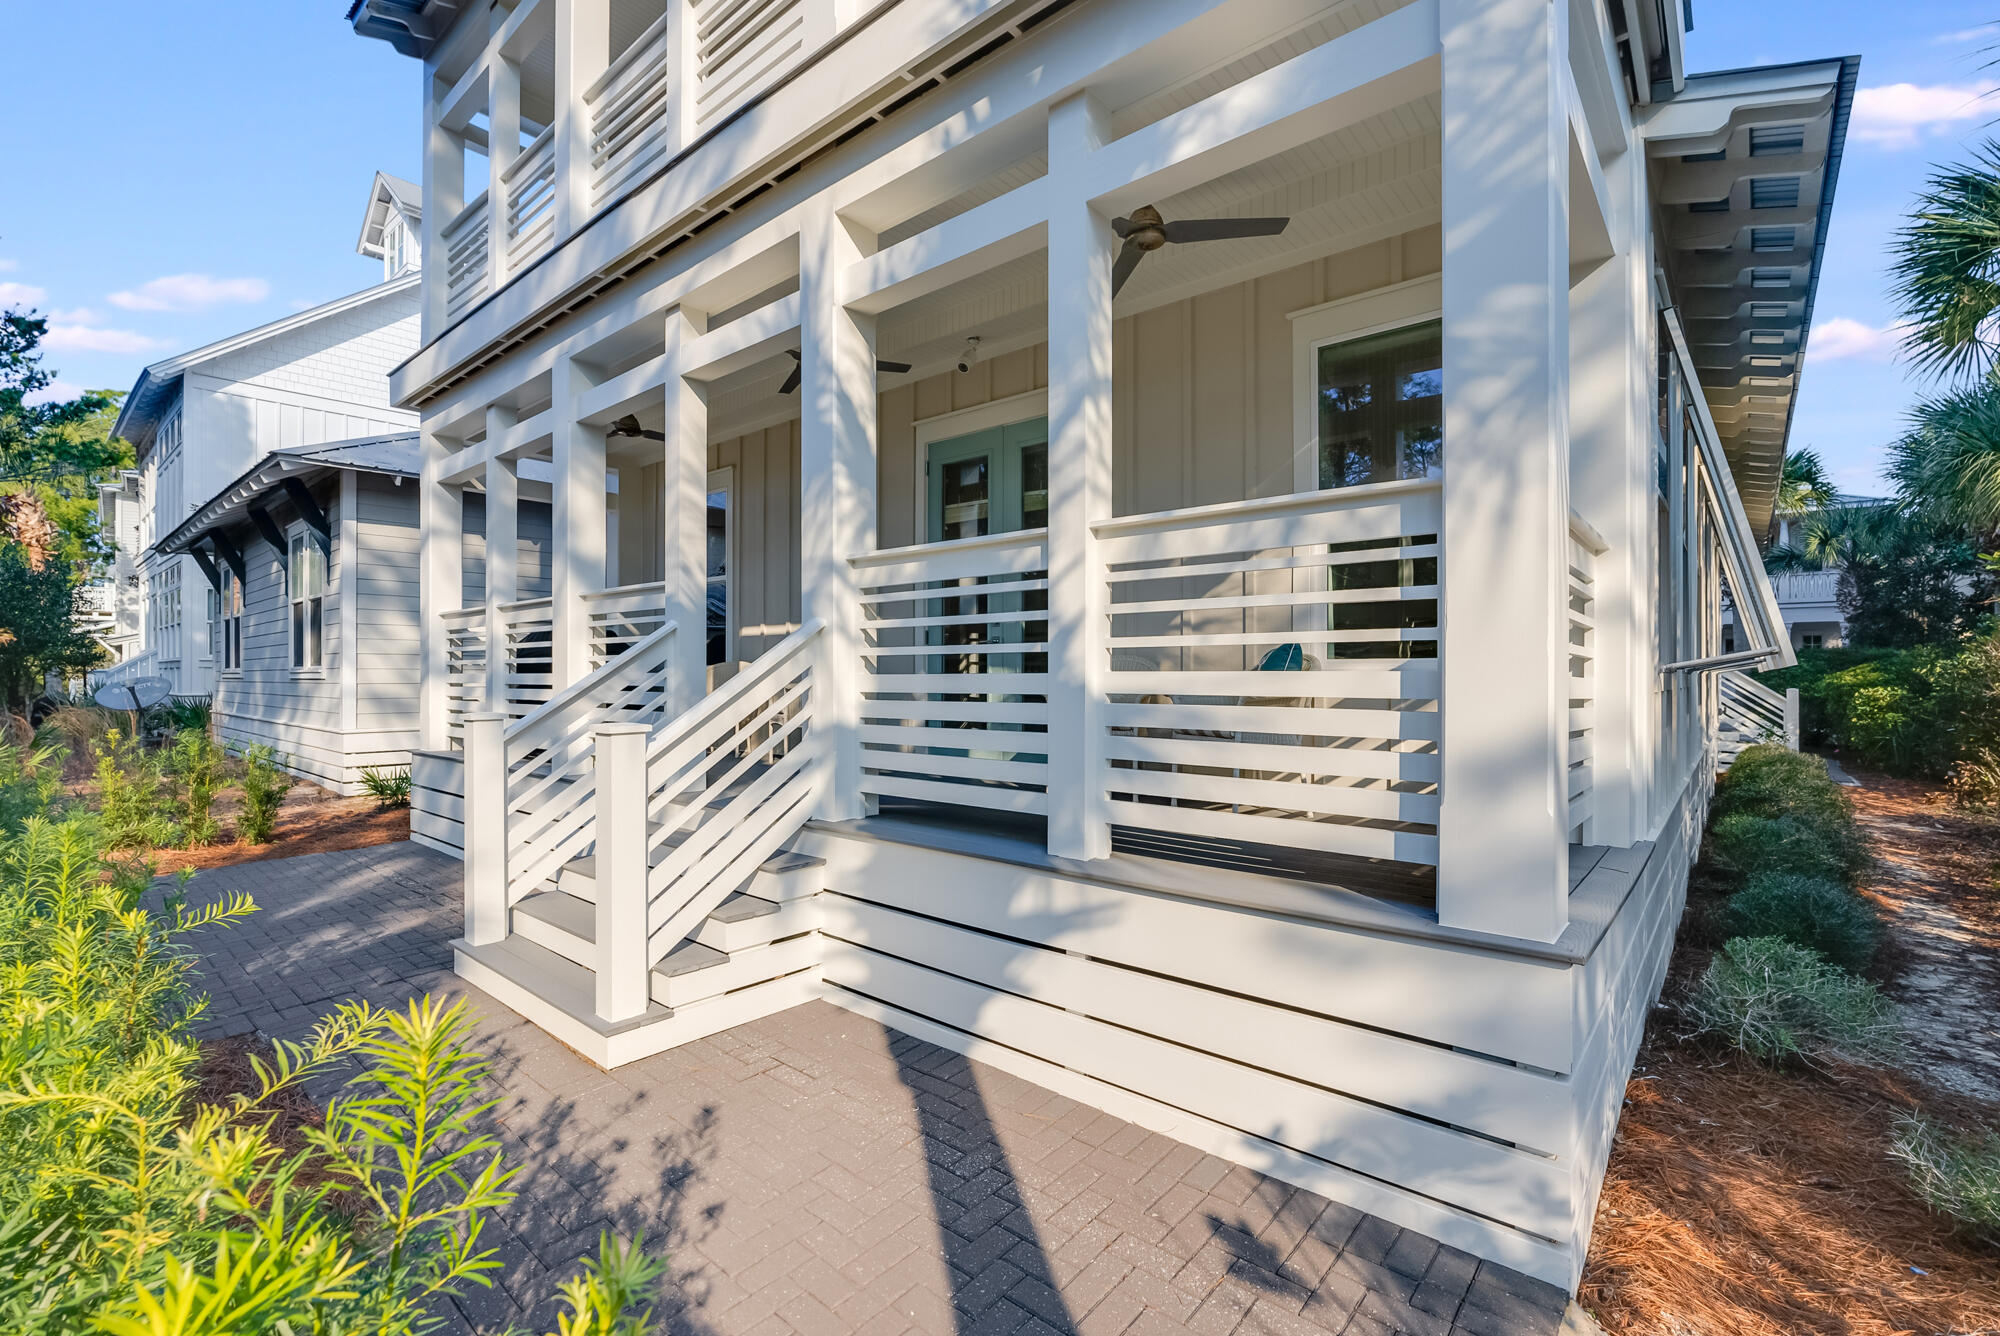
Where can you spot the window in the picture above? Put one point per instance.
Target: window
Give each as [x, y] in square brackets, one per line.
[229, 622]
[1812, 640]
[213, 625]
[1380, 404]
[307, 592]
[166, 611]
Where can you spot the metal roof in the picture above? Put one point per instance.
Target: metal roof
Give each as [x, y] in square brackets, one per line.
[397, 455]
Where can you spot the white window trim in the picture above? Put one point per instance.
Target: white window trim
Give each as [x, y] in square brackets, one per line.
[1377, 311]
[724, 480]
[224, 668]
[295, 530]
[963, 422]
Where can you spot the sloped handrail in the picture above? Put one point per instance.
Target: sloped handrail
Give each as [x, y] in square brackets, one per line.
[729, 783]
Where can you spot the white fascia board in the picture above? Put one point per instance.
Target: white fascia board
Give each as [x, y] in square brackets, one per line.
[1702, 116]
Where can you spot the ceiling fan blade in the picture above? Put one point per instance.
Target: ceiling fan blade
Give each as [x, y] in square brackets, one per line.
[1224, 229]
[792, 381]
[894, 368]
[629, 426]
[1128, 260]
[1122, 226]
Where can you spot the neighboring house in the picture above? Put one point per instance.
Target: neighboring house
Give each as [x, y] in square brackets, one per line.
[1809, 601]
[202, 418]
[1257, 679]
[118, 517]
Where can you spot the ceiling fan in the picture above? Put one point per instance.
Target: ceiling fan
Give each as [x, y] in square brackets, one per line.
[629, 426]
[791, 384]
[1146, 231]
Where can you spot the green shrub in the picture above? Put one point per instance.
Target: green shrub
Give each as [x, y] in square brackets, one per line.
[30, 782]
[1770, 780]
[1956, 1174]
[177, 714]
[1744, 845]
[127, 1208]
[391, 788]
[1819, 915]
[129, 781]
[1780, 1003]
[195, 762]
[264, 788]
[1912, 711]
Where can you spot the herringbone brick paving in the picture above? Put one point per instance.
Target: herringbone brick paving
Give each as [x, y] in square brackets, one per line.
[814, 1172]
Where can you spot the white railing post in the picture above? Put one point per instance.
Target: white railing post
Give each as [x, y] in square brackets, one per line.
[503, 561]
[1081, 249]
[621, 870]
[503, 145]
[485, 828]
[1792, 718]
[440, 513]
[444, 197]
[577, 525]
[837, 493]
[1503, 856]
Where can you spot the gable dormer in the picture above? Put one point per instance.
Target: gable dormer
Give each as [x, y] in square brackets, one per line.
[392, 229]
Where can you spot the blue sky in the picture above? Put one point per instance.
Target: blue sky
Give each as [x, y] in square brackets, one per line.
[194, 174]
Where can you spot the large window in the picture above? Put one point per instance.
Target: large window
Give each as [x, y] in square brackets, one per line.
[228, 633]
[1380, 403]
[166, 611]
[308, 599]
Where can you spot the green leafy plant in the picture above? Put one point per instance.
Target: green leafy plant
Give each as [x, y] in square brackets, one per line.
[390, 788]
[196, 763]
[30, 782]
[178, 714]
[129, 797]
[1957, 1174]
[1819, 915]
[264, 787]
[1783, 1003]
[1743, 845]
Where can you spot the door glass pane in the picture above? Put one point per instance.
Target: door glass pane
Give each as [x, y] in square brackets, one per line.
[1034, 486]
[718, 576]
[967, 497]
[1381, 407]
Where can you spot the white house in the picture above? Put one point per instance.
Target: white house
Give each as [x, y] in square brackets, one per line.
[200, 419]
[1809, 601]
[1223, 511]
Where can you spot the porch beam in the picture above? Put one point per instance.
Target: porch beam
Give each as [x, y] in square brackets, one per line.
[523, 437]
[979, 239]
[837, 494]
[1081, 249]
[761, 334]
[1372, 69]
[1503, 827]
[464, 99]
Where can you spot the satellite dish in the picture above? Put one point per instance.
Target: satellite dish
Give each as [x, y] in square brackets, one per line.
[141, 693]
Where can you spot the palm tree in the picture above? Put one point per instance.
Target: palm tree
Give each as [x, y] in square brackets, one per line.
[1805, 485]
[1948, 462]
[1947, 269]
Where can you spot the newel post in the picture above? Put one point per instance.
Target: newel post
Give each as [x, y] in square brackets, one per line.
[485, 828]
[621, 870]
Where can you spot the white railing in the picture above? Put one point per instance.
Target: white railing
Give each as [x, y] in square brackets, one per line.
[1274, 671]
[465, 668]
[464, 239]
[632, 108]
[143, 664]
[954, 685]
[1750, 712]
[617, 619]
[1806, 586]
[530, 182]
[727, 784]
[742, 47]
[527, 639]
[540, 807]
[1585, 547]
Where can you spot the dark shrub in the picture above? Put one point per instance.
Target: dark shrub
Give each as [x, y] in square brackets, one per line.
[1806, 911]
[1744, 845]
[1782, 1003]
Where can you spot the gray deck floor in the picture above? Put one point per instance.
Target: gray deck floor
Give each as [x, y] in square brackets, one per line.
[814, 1172]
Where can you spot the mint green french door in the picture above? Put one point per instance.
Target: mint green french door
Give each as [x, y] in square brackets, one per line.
[990, 482]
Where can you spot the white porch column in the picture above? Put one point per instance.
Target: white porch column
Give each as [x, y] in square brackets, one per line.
[444, 197]
[485, 828]
[503, 145]
[684, 515]
[503, 561]
[1503, 857]
[577, 537]
[837, 493]
[583, 50]
[1081, 249]
[441, 586]
[1611, 486]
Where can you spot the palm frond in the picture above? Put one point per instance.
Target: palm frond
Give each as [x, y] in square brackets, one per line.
[1946, 272]
[1948, 462]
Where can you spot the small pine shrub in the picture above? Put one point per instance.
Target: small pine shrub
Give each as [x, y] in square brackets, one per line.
[129, 799]
[1774, 781]
[1782, 1003]
[1819, 915]
[1956, 1174]
[1744, 845]
[264, 788]
[196, 763]
[390, 788]
[30, 781]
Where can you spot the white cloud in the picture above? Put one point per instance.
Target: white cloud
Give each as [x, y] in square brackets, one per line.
[1900, 115]
[8, 266]
[55, 392]
[190, 292]
[22, 294]
[1844, 336]
[1985, 31]
[82, 338]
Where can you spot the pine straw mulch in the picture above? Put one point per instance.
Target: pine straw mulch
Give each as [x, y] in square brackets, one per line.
[225, 1070]
[312, 820]
[1745, 1202]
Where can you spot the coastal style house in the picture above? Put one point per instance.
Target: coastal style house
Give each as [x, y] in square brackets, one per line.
[198, 420]
[1175, 548]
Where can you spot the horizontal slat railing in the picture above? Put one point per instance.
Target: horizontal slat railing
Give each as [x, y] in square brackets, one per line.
[1274, 672]
[632, 109]
[530, 181]
[1755, 712]
[465, 243]
[465, 668]
[526, 637]
[617, 619]
[729, 783]
[954, 681]
[743, 46]
[1581, 776]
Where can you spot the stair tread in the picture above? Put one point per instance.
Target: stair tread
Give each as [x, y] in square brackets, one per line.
[741, 906]
[585, 865]
[561, 910]
[563, 984]
[687, 958]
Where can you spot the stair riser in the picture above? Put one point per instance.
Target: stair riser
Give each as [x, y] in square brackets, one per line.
[756, 965]
[550, 937]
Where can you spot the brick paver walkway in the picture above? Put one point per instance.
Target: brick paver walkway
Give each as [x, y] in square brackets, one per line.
[814, 1172]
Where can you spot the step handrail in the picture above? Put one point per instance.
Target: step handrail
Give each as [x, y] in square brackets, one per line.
[587, 684]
